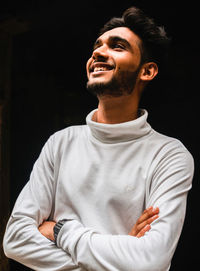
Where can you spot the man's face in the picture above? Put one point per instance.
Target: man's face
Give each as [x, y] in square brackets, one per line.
[114, 64]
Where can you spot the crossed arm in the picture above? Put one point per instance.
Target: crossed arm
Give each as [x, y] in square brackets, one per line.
[81, 248]
[95, 251]
[142, 225]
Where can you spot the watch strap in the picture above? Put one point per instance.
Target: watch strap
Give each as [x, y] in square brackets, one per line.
[58, 227]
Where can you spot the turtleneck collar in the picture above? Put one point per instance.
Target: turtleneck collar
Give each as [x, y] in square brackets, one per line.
[120, 132]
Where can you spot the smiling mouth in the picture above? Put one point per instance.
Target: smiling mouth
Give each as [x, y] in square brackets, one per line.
[100, 67]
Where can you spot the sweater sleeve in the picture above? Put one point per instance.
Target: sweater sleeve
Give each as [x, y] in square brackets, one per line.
[168, 190]
[22, 240]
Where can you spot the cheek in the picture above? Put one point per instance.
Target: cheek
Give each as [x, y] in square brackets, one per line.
[129, 67]
[129, 63]
[88, 65]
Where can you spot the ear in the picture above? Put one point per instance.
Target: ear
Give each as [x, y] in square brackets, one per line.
[148, 71]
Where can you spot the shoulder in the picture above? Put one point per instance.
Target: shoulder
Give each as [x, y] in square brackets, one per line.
[167, 144]
[70, 133]
[170, 153]
[62, 139]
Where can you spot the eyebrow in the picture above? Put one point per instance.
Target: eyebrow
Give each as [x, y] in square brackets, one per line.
[114, 39]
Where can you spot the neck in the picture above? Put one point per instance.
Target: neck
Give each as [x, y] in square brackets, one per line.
[112, 110]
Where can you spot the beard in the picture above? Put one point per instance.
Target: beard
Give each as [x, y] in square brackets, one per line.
[121, 85]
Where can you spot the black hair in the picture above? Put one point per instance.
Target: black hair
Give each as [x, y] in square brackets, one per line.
[154, 41]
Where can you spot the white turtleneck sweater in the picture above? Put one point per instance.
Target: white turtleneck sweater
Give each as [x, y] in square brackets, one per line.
[101, 177]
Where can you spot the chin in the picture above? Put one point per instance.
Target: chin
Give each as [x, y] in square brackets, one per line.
[101, 81]
[104, 88]
[101, 77]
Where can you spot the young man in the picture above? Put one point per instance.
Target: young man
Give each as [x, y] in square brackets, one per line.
[88, 203]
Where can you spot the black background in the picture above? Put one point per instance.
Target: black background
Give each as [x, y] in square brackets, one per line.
[48, 86]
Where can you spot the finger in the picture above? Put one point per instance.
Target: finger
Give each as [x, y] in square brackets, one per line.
[143, 231]
[147, 210]
[146, 222]
[148, 213]
[147, 217]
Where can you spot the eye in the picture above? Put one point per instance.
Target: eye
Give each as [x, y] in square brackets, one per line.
[118, 46]
[96, 45]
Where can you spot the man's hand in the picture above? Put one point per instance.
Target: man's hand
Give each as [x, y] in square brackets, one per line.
[140, 228]
[143, 223]
[46, 229]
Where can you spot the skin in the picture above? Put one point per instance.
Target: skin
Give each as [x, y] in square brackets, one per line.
[139, 229]
[119, 51]
[125, 108]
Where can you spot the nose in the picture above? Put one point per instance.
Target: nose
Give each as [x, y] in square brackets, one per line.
[100, 53]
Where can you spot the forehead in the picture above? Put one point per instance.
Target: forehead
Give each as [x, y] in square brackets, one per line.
[124, 33]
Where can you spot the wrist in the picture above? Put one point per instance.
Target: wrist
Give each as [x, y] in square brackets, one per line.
[58, 227]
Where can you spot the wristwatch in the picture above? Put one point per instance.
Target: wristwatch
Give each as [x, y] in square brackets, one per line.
[58, 227]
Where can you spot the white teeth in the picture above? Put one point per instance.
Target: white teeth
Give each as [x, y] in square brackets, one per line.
[97, 69]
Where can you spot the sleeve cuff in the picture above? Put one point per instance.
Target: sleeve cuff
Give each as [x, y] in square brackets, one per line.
[57, 228]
